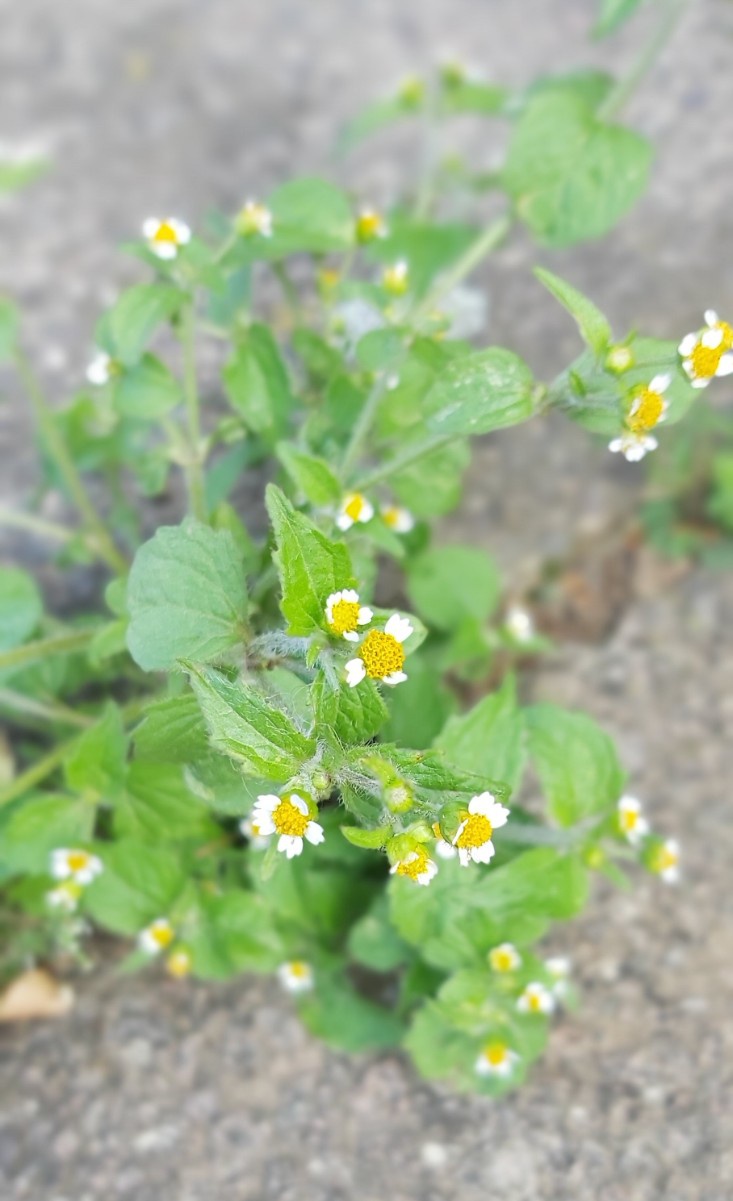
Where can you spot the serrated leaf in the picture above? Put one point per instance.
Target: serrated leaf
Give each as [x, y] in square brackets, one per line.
[244, 726]
[489, 739]
[449, 583]
[172, 731]
[257, 384]
[139, 883]
[186, 596]
[345, 1019]
[125, 330]
[157, 806]
[312, 476]
[97, 763]
[571, 176]
[44, 822]
[480, 392]
[593, 326]
[576, 762]
[309, 564]
[352, 715]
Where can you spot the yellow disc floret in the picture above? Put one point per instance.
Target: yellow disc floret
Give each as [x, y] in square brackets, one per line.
[705, 360]
[344, 617]
[77, 860]
[288, 819]
[495, 1054]
[646, 412]
[476, 831]
[415, 865]
[382, 655]
[166, 233]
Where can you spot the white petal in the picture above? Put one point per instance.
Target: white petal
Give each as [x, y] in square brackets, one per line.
[351, 636]
[484, 853]
[444, 849]
[712, 338]
[483, 803]
[164, 250]
[182, 231]
[660, 383]
[314, 833]
[300, 804]
[349, 595]
[498, 815]
[458, 832]
[688, 344]
[616, 445]
[394, 677]
[264, 822]
[364, 616]
[711, 317]
[701, 382]
[355, 672]
[267, 802]
[150, 227]
[725, 366]
[344, 522]
[290, 845]
[464, 856]
[399, 627]
[367, 511]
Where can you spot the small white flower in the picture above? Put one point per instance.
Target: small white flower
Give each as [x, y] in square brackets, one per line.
[381, 655]
[708, 354]
[518, 622]
[64, 897]
[536, 999]
[665, 861]
[473, 836]
[251, 830]
[179, 963]
[345, 613]
[254, 218]
[496, 1059]
[558, 966]
[505, 958]
[648, 407]
[289, 817]
[102, 369]
[296, 976]
[416, 865]
[354, 507]
[398, 519]
[165, 238]
[156, 937]
[395, 279]
[75, 864]
[370, 225]
[633, 446]
[631, 821]
[443, 849]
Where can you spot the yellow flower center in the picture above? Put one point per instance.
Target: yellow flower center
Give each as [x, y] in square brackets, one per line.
[288, 819]
[416, 865]
[391, 516]
[165, 233]
[534, 1002]
[395, 280]
[77, 860]
[475, 833]
[705, 360]
[381, 654]
[664, 859]
[629, 819]
[495, 1054]
[369, 225]
[354, 505]
[161, 934]
[502, 961]
[344, 617]
[727, 332]
[648, 408]
[437, 830]
[299, 970]
[179, 964]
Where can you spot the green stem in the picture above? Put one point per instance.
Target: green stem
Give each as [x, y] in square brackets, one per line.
[43, 648]
[363, 424]
[672, 10]
[430, 155]
[18, 703]
[193, 467]
[489, 238]
[36, 525]
[57, 448]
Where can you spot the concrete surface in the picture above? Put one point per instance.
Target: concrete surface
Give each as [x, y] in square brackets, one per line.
[158, 1092]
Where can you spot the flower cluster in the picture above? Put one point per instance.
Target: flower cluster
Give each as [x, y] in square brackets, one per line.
[75, 869]
[647, 409]
[165, 238]
[290, 816]
[661, 857]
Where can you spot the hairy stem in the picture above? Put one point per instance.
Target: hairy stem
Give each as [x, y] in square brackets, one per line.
[48, 427]
[18, 703]
[672, 10]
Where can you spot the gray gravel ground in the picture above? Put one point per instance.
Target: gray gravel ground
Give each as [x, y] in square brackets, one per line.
[155, 1091]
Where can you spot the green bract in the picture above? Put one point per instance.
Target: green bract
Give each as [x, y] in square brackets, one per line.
[263, 751]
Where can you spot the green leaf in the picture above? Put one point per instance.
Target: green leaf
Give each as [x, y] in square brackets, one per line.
[186, 596]
[309, 216]
[464, 913]
[344, 1019]
[158, 807]
[244, 726]
[448, 583]
[373, 941]
[613, 14]
[230, 933]
[312, 476]
[21, 607]
[429, 248]
[257, 384]
[419, 707]
[489, 739]
[374, 117]
[576, 762]
[351, 715]
[139, 883]
[97, 765]
[571, 176]
[8, 329]
[172, 731]
[367, 840]
[125, 330]
[309, 564]
[480, 392]
[432, 485]
[40, 824]
[593, 326]
[472, 96]
[146, 391]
